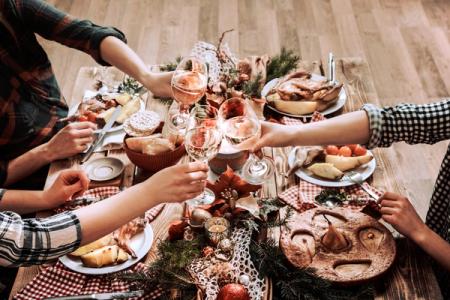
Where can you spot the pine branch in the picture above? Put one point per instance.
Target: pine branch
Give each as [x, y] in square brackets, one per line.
[252, 88]
[282, 64]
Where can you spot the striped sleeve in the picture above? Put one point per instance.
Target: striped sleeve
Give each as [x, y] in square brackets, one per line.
[55, 25]
[35, 241]
[411, 123]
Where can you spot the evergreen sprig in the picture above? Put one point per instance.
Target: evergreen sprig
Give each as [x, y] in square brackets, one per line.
[282, 64]
[252, 88]
[295, 283]
[130, 85]
[170, 66]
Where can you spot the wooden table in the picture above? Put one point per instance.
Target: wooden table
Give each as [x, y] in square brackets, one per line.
[411, 276]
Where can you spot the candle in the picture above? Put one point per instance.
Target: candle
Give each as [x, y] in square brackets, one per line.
[217, 229]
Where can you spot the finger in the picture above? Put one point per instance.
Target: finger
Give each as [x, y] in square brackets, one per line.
[81, 148]
[84, 141]
[73, 189]
[390, 195]
[194, 187]
[82, 125]
[196, 176]
[388, 211]
[83, 133]
[194, 167]
[388, 218]
[388, 203]
[192, 195]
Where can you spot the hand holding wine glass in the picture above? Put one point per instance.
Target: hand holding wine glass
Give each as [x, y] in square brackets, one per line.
[240, 124]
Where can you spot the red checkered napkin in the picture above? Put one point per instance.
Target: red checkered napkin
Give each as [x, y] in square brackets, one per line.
[57, 281]
[301, 197]
[108, 191]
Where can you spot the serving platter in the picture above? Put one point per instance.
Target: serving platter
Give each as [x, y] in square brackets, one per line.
[365, 170]
[332, 109]
[140, 243]
[369, 250]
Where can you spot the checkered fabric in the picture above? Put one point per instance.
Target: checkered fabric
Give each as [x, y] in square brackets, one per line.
[414, 124]
[57, 280]
[317, 116]
[301, 197]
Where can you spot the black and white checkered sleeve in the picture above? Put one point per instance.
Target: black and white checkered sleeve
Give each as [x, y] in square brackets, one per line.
[36, 241]
[414, 124]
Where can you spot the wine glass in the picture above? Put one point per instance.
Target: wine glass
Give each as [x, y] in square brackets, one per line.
[203, 115]
[189, 83]
[239, 123]
[202, 144]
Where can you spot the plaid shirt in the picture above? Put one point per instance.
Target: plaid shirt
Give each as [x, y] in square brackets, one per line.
[414, 124]
[30, 99]
[34, 241]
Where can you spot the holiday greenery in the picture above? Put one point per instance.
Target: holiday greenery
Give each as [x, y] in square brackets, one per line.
[282, 64]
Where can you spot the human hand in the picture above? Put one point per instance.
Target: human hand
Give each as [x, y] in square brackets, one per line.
[177, 183]
[68, 184]
[159, 84]
[71, 140]
[273, 135]
[399, 212]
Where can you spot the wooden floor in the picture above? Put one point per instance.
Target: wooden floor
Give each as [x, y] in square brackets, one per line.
[405, 42]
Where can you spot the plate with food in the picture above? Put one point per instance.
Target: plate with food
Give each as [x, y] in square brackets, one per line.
[114, 252]
[98, 108]
[327, 166]
[301, 93]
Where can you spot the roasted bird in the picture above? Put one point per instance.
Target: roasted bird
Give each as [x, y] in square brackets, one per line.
[124, 234]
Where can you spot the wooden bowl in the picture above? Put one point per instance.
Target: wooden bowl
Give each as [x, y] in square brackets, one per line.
[154, 163]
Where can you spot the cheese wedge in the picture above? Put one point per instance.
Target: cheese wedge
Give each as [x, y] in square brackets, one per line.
[104, 241]
[295, 107]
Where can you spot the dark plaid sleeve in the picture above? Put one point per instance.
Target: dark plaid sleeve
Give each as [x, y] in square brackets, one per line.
[35, 241]
[56, 25]
[411, 123]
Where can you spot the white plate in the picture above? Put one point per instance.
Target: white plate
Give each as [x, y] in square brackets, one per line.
[140, 243]
[118, 127]
[333, 108]
[104, 168]
[365, 171]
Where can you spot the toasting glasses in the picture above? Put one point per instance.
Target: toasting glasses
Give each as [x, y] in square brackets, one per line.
[239, 123]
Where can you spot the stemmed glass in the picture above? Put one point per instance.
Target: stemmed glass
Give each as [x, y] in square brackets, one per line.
[203, 115]
[239, 123]
[189, 83]
[202, 144]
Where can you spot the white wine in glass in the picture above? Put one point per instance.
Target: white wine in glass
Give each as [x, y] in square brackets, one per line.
[202, 144]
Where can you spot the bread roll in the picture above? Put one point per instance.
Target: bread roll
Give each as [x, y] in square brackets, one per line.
[138, 143]
[101, 257]
[104, 241]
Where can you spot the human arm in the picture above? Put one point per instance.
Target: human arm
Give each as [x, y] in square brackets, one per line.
[376, 127]
[399, 212]
[67, 184]
[47, 239]
[107, 45]
[71, 140]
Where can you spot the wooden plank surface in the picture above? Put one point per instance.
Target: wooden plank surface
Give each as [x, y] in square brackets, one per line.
[390, 51]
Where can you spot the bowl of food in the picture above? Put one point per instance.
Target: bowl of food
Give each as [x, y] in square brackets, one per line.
[152, 152]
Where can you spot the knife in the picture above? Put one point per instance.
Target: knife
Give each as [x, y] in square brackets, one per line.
[116, 295]
[102, 133]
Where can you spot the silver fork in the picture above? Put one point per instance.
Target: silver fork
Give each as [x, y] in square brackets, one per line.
[356, 177]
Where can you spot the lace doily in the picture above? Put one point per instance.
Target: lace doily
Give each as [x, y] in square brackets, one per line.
[208, 271]
[207, 52]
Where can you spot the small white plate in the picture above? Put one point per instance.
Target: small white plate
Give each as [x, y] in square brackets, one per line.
[365, 171]
[333, 108]
[140, 243]
[103, 169]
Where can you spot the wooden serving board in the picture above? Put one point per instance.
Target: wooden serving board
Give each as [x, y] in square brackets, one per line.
[368, 252]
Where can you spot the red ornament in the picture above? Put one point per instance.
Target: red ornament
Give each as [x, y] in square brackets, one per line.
[176, 230]
[233, 291]
[207, 251]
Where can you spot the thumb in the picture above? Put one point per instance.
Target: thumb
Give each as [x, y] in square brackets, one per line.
[258, 145]
[72, 189]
